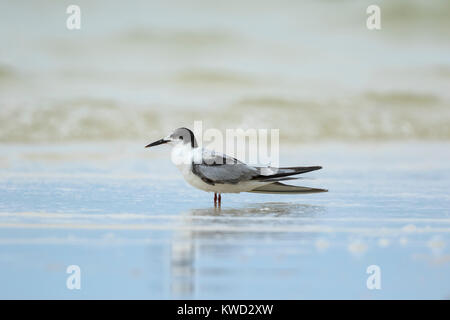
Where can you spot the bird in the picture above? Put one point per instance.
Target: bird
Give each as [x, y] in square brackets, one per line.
[211, 171]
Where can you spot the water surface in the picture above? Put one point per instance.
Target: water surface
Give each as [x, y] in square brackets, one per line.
[137, 230]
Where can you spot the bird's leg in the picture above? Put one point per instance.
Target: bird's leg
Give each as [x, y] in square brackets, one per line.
[220, 199]
[215, 199]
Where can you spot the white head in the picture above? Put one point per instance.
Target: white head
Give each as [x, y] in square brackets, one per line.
[182, 136]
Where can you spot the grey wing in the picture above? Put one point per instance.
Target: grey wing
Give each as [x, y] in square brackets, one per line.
[218, 168]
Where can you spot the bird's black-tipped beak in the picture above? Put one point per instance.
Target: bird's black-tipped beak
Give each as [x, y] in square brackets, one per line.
[160, 141]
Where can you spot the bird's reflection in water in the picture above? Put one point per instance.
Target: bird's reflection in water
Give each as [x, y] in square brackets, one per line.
[182, 263]
[201, 232]
[274, 209]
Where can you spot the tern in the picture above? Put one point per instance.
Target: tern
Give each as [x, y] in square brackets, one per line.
[210, 171]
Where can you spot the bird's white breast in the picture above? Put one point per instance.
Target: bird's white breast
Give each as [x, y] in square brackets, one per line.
[183, 156]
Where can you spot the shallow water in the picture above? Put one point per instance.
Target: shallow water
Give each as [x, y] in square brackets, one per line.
[125, 216]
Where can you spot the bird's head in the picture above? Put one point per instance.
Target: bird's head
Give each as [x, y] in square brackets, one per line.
[181, 136]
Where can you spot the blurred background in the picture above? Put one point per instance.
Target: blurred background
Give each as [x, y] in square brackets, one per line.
[142, 68]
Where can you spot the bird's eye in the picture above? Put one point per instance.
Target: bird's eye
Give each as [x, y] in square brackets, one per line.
[181, 137]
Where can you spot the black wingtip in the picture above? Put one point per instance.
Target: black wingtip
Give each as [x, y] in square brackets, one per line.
[285, 172]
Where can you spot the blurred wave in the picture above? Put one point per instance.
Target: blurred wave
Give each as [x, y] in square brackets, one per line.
[7, 73]
[139, 69]
[373, 115]
[181, 38]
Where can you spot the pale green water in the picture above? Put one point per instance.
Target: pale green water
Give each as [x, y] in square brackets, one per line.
[139, 68]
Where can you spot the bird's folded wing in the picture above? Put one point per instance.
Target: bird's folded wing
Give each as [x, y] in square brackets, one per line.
[213, 167]
[210, 157]
[219, 168]
[226, 173]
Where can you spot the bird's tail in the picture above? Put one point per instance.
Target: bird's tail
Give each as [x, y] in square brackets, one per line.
[278, 187]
